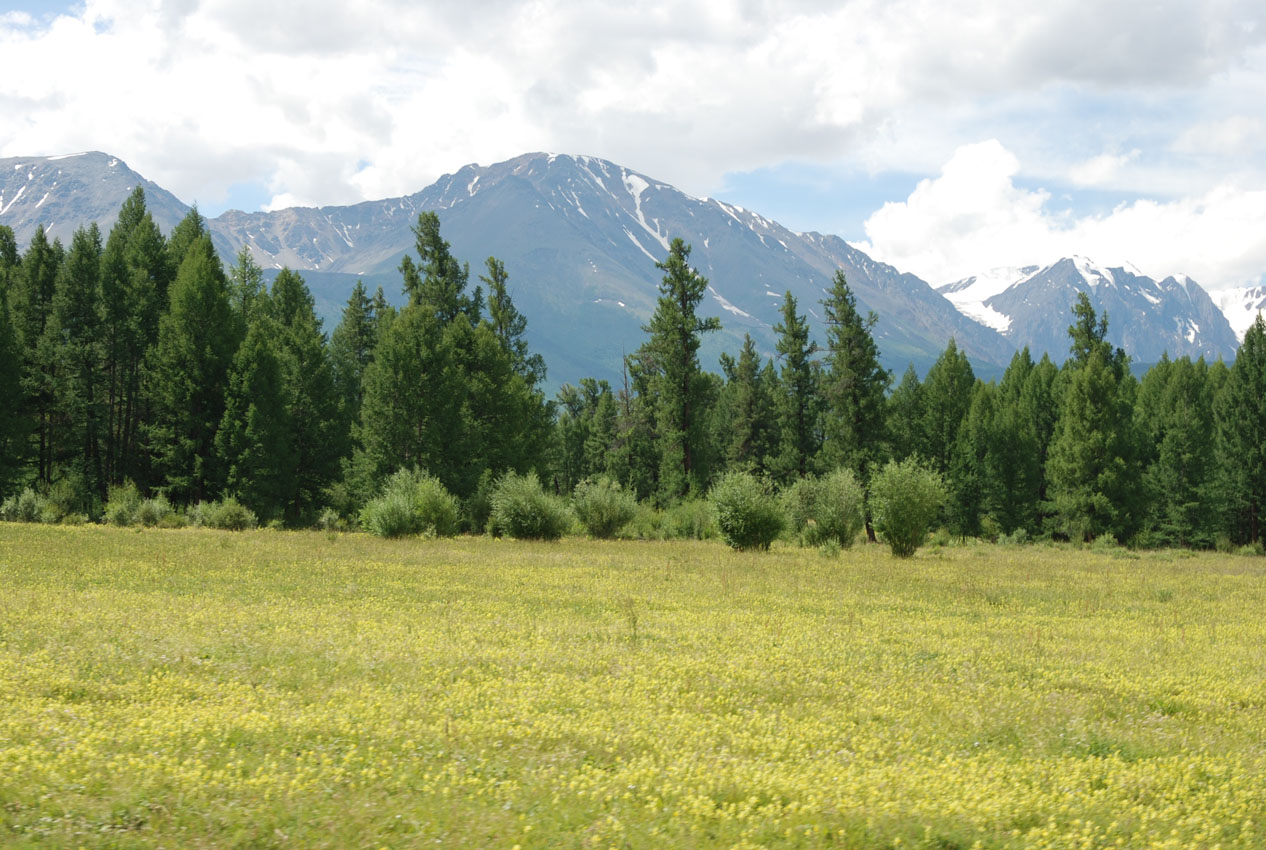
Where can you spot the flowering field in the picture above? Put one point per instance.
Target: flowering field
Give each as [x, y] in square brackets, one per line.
[194, 688]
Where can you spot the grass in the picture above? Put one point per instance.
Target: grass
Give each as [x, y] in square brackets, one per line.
[192, 688]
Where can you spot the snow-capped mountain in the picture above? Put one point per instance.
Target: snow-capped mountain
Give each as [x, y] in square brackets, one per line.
[1033, 306]
[1242, 306]
[579, 237]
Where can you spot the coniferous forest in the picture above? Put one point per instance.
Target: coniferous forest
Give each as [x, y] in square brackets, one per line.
[139, 367]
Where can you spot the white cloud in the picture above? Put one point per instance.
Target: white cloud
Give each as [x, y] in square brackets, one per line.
[1102, 169]
[972, 218]
[329, 102]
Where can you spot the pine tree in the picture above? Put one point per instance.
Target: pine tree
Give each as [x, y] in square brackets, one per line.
[1094, 475]
[745, 426]
[438, 281]
[311, 402]
[351, 351]
[854, 389]
[905, 416]
[73, 336]
[136, 273]
[1174, 418]
[187, 374]
[510, 325]
[1241, 437]
[798, 400]
[32, 303]
[185, 235]
[673, 352]
[253, 439]
[947, 394]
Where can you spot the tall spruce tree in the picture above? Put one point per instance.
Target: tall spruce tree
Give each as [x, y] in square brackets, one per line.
[905, 417]
[73, 336]
[797, 403]
[509, 325]
[1093, 471]
[745, 426]
[854, 389]
[1241, 437]
[32, 302]
[12, 422]
[187, 376]
[947, 396]
[675, 330]
[136, 273]
[311, 402]
[253, 441]
[351, 351]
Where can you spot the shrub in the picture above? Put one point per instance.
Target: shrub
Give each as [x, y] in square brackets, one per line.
[478, 507]
[122, 503]
[825, 509]
[749, 517]
[905, 498]
[152, 512]
[329, 520]
[27, 506]
[521, 509]
[693, 519]
[411, 502]
[602, 506]
[231, 515]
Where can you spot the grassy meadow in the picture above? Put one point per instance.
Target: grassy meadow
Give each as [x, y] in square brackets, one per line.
[192, 688]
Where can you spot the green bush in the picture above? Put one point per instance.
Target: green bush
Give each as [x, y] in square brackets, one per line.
[478, 507]
[825, 509]
[231, 515]
[27, 506]
[411, 502]
[122, 503]
[521, 509]
[906, 499]
[152, 512]
[329, 520]
[602, 506]
[693, 519]
[748, 515]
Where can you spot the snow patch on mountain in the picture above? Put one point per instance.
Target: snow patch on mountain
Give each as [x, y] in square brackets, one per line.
[1241, 307]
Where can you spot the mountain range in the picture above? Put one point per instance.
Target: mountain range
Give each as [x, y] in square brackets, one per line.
[580, 237]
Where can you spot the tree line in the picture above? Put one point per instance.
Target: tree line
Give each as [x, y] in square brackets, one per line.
[141, 359]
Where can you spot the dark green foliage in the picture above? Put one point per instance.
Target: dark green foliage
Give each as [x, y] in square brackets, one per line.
[316, 436]
[31, 300]
[253, 441]
[602, 506]
[947, 394]
[351, 351]
[906, 498]
[521, 509]
[744, 424]
[854, 386]
[438, 283]
[188, 374]
[411, 502]
[509, 325]
[1174, 417]
[13, 423]
[905, 416]
[247, 293]
[748, 514]
[797, 397]
[672, 357]
[1241, 438]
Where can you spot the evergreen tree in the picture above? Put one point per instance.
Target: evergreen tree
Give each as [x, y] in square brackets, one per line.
[136, 273]
[1174, 418]
[12, 423]
[351, 351]
[187, 375]
[745, 427]
[905, 416]
[634, 459]
[438, 281]
[854, 389]
[32, 302]
[1241, 437]
[253, 440]
[798, 399]
[10, 261]
[185, 235]
[247, 292]
[1093, 472]
[311, 402]
[675, 331]
[969, 479]
[73, 336]
[947, 395]
[510, 325]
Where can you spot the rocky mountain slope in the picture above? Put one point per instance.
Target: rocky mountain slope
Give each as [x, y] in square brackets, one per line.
[1033, 306]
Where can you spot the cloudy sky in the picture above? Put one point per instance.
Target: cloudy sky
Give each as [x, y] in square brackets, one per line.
[944, 136]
